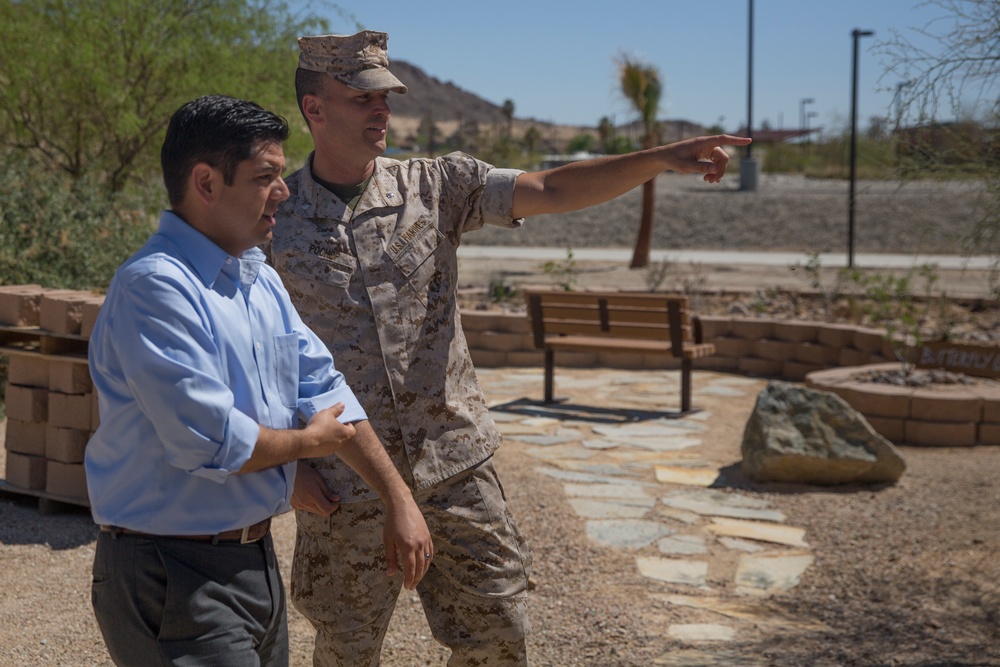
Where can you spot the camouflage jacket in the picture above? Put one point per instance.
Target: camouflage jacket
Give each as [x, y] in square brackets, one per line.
[378, 285]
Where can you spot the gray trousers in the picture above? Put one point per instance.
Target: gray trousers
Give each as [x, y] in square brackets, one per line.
[169, 601]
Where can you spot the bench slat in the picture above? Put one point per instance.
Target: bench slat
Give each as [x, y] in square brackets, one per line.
[615, 330]
[595, 344]
[617, 299]
[555, 312]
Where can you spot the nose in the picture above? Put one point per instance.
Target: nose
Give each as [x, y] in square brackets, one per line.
[280, 190]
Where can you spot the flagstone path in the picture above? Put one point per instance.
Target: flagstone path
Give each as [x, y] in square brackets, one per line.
[633, 471]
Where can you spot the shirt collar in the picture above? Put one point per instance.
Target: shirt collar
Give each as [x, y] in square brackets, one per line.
[315, 201]
[208, 259]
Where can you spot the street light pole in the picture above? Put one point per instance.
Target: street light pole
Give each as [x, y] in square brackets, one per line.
[804, 127]
[854, 146]
[802, 110]
[750, 77]
[748, 166]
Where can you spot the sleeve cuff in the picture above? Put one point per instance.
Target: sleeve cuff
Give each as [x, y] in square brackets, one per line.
[236, 449]
[498, 198]
[353, 411]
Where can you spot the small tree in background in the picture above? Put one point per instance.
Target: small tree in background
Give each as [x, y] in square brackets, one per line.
[427, 134]
[532, 139]
[581, 143]
[640, 84]
[953, 65]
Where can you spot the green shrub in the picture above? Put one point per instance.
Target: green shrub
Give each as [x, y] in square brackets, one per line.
[60, 232]
[564, 273]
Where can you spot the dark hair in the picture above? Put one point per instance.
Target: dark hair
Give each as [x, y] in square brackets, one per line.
[308, 82]
[218, 130]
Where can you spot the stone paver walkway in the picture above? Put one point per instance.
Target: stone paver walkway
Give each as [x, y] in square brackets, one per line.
[634, 474]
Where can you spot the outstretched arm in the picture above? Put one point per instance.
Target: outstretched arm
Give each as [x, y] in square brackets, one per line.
[588, 182]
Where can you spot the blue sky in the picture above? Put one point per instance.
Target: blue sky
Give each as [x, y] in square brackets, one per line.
[556, 58]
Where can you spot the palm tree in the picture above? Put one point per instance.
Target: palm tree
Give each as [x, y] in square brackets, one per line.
[605, 130]
[640, 84]
[508, 117]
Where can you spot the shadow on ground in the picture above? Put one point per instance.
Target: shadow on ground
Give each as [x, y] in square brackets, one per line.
[564, 411]
[58, 527]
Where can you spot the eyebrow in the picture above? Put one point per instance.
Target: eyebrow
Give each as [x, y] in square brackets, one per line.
[271, 166]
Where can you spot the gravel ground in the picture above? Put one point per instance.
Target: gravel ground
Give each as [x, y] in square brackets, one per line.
[904, 575]
[786, 213]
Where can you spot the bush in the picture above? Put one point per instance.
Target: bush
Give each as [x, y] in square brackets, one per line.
[59, 232]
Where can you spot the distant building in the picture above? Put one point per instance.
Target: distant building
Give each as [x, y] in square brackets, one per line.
[670, 130]
[554, 160]
[777, 136]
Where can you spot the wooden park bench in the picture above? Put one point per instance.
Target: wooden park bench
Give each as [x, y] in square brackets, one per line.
[644, 322]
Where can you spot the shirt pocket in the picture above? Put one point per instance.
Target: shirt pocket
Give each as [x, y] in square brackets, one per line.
[335, 271]
[414, 260]
[286, 368]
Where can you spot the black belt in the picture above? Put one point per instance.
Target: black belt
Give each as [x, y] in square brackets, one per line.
[242, 535]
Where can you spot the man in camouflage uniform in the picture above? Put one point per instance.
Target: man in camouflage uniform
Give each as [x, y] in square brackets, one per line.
[367, 247]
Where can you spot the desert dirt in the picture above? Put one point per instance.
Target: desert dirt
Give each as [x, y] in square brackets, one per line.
[905, 574]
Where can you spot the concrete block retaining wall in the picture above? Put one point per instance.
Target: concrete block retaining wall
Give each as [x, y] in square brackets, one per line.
[797, 351]
[758, 347]
[505, 339]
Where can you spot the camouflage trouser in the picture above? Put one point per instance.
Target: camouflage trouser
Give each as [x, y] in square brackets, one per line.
[474, 595]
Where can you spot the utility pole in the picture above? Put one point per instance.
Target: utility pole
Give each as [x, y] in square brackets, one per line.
[856, 34]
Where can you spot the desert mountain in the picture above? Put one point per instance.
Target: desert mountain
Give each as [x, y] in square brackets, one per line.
[427, 95]
[449, 105]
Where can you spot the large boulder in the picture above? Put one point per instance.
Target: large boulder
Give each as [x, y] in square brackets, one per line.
[797, 434]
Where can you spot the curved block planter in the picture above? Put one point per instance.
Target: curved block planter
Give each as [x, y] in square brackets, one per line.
[938, 416]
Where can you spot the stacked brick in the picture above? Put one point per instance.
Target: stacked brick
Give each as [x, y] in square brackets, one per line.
[51, 407]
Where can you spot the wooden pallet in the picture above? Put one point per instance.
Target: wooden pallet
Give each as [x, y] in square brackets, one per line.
[33, 340]
[48, 503]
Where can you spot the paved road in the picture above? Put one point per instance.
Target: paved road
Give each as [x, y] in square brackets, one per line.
[721, 257]
[957, 276]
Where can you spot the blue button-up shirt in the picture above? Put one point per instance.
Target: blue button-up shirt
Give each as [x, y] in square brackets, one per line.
[194, 349]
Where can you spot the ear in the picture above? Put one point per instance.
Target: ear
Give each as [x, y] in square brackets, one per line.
[204, 183]
[312, 108]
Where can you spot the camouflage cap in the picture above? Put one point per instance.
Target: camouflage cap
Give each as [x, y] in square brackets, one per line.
[359, 61]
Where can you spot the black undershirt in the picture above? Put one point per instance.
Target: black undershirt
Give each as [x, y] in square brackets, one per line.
[349, 194]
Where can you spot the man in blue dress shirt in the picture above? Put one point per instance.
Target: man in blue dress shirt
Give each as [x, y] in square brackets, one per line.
[203, 370]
